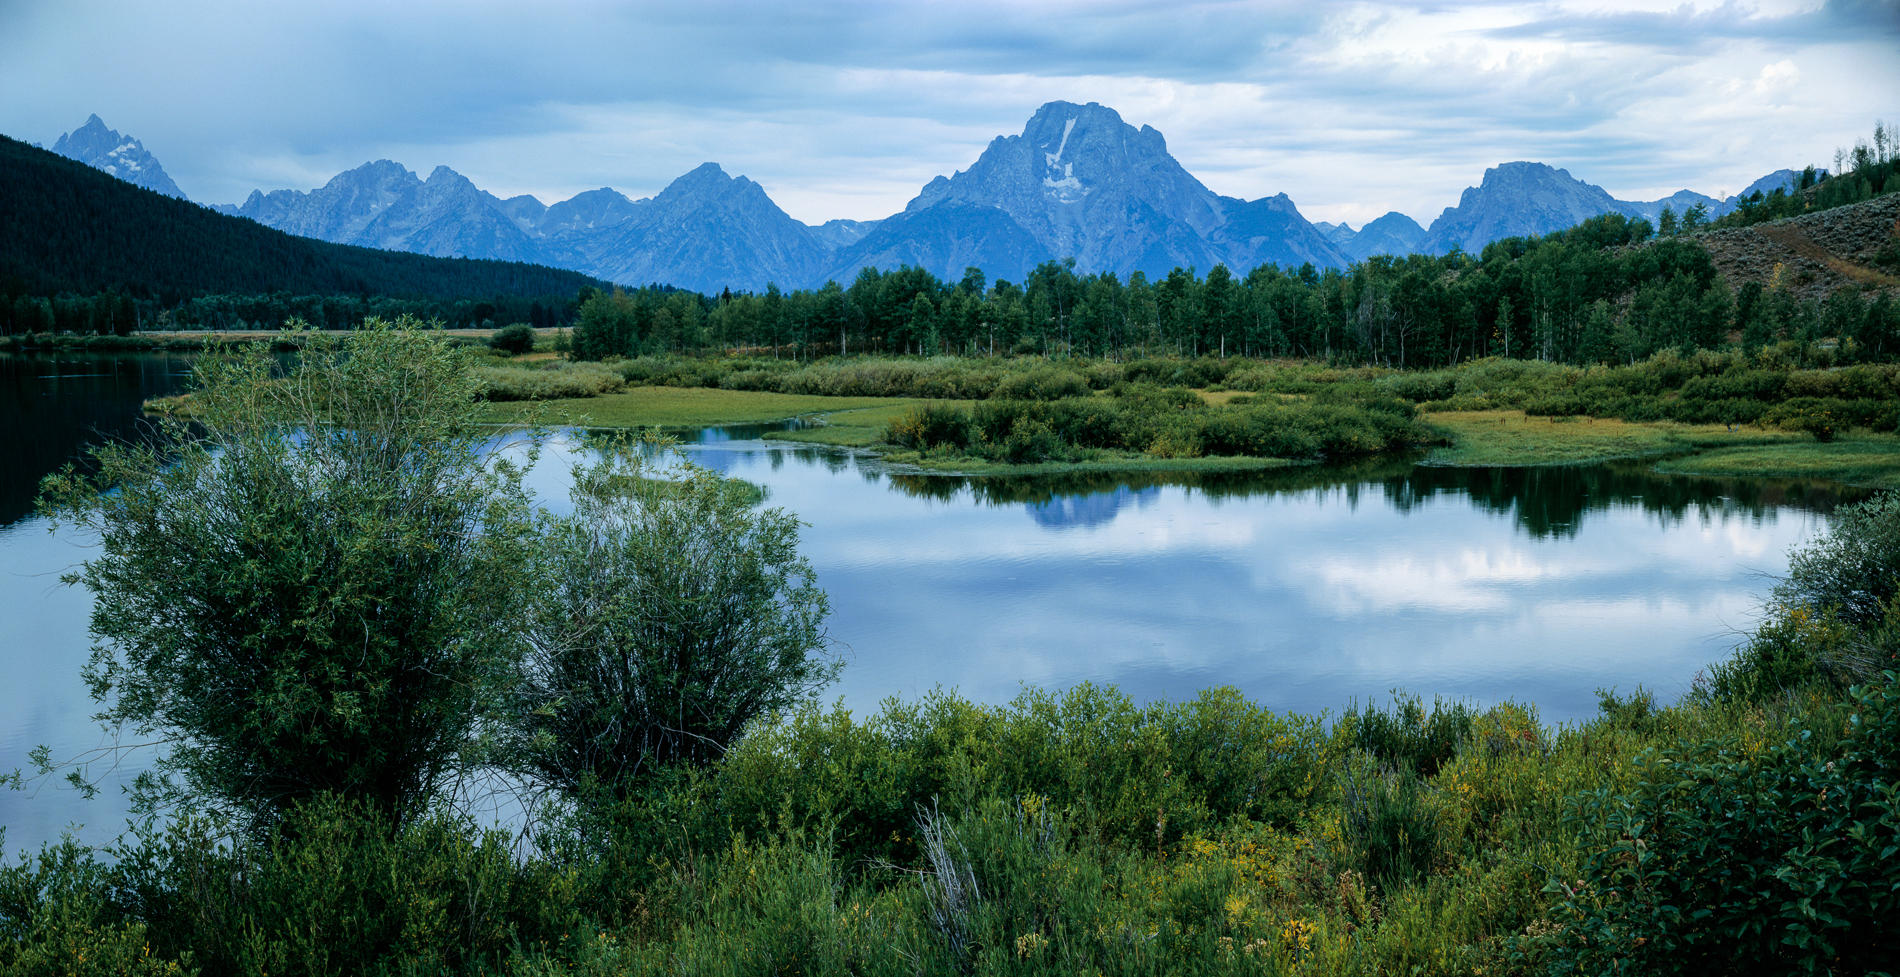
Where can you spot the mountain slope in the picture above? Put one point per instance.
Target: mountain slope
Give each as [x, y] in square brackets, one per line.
[708, 231]
[945, 239]
[1079, 182]
[75, 229]
[122, 156]
[1393, 234]
[1520, 199]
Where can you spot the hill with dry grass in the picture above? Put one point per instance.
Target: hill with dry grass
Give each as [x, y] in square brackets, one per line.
[1814, 255]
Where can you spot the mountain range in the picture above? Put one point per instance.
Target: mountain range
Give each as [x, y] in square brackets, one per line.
[1078, 182]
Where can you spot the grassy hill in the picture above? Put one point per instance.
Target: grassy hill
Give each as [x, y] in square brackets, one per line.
[1854, 246]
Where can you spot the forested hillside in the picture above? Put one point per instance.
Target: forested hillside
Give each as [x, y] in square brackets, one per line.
[129, 253]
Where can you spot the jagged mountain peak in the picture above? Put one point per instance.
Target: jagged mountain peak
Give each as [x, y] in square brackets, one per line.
[1390, 233]
[1082, 183]
[384, 171]
[444, 175]
[705, 176]
[603, 207]
[101, 147]
[709, 182]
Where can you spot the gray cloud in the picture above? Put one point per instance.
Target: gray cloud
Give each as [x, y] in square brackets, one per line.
[846, 108]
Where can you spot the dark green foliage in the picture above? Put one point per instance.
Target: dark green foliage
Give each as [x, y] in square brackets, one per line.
[671, 613]
[310, 587]
[1834, 620]
[1728, 858]
[1854, 569]
[76, 235]
[1392, 825]
[58, 917]
[932, 426]
[1637, 712]
[1408, 737]
[514, 340]
[337, 890]
[1165, 423]
[1124, 774]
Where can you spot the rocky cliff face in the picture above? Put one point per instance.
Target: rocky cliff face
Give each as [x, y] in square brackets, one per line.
[102, 148]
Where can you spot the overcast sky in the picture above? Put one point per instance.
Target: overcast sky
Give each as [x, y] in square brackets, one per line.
[845, 109]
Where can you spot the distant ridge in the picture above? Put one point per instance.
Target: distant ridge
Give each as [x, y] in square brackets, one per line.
[72, 228]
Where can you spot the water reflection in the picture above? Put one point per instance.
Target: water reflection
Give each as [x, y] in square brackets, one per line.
[1547, 503]
[52, 406]
[1306, 587]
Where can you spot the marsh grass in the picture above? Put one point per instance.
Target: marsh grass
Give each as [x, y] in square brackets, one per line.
[857, 428]
[1870, 460]
[1511, 437]
[677, 407]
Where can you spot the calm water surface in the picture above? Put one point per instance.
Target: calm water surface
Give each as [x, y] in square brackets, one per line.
[1306, 589]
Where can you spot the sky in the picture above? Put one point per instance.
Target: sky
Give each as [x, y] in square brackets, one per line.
[846, 109]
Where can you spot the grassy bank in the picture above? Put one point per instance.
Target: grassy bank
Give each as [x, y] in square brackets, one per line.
[1871, 460]
[1514, 438]
[861, 427]
[679, 407]
[1781, 411]
[1489, 438]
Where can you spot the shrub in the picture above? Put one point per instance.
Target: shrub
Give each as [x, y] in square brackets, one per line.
[930, 426]
[1392, 831]
[1408, 737]
[1727, 860]
[56, 920]
[1041, 383]
[342, 890]
[672, 612]
[549, 382]
[513, 340]
[1853, 569]
[313, 590]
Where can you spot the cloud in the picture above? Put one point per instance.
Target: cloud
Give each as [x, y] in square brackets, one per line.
[845, 108]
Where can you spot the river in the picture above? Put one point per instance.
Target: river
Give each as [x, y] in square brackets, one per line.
[1308, 589]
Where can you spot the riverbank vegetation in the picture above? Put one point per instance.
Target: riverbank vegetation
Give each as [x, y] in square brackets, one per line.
[649, 670]
[1785, 409]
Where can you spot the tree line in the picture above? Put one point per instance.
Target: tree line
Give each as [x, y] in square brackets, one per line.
[1606, 291]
